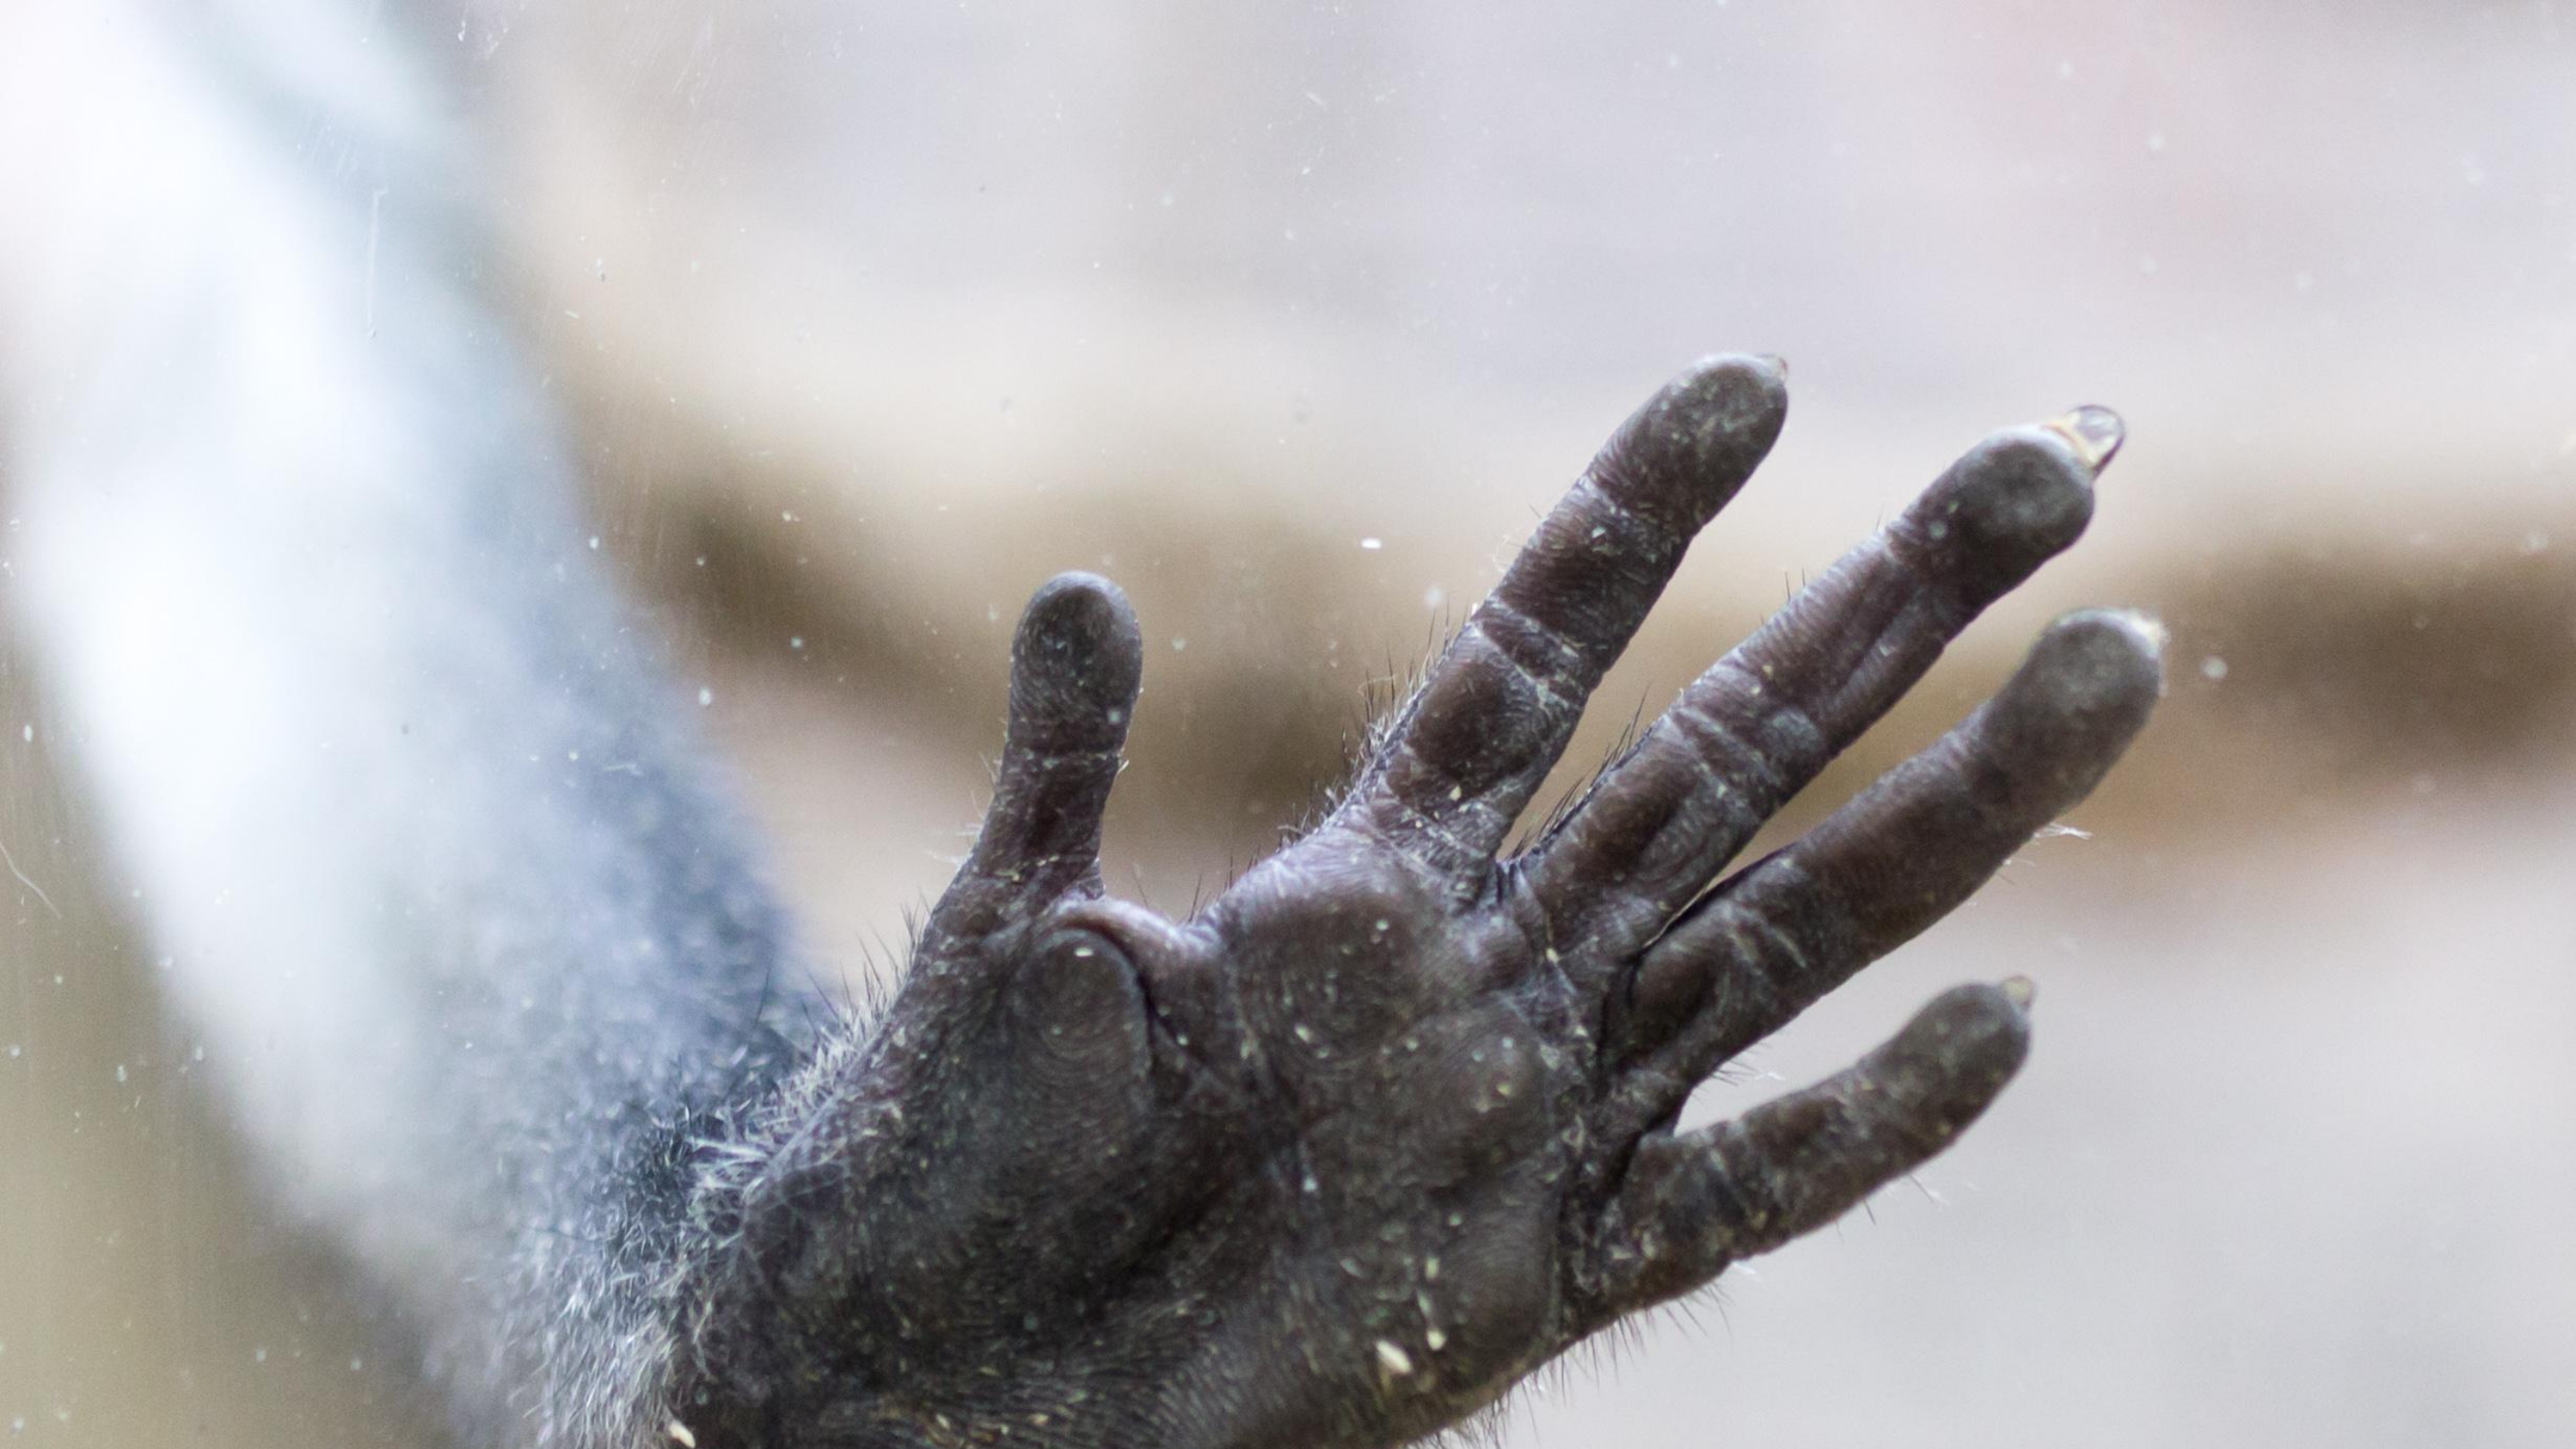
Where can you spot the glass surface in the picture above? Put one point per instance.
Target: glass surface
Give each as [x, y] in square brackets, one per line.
[865, 320]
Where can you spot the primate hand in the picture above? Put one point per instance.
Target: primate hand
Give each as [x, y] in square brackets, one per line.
[1392, 1121]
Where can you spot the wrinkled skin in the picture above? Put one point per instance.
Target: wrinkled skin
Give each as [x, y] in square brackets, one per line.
[1391, 1122]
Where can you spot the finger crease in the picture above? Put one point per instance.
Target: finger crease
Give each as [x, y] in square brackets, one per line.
[1729, 1212]
[1570, 659]
[1735, 987]
[1778, 945]
[1053, 759]
[1713, 742]
[1666, 538]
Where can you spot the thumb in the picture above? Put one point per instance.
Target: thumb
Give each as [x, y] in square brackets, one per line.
[1075, 665]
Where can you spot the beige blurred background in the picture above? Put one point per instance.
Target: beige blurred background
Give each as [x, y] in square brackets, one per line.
[1290, 318]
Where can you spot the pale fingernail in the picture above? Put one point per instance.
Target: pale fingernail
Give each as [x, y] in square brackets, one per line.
[2096, 432]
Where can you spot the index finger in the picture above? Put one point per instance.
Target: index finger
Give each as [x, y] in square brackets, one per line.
[1471, 746]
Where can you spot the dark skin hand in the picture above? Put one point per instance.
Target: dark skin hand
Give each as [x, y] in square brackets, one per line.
[1391, 1122]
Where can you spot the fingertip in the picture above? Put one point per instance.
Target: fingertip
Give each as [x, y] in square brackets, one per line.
[2011, 503]
[1973, 1038]
[2104, 659]
[1691, 447]
[1078, 655]
[2090, 681]
[1737, 394]
[1085, 613]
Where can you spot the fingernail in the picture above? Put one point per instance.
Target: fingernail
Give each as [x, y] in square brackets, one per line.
[1777, 363]
[2096, 432]
[2021, 991]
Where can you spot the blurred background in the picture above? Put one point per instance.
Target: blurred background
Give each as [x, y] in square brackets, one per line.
[1291, 318]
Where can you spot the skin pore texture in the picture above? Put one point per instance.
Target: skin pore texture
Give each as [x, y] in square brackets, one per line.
[493, 987]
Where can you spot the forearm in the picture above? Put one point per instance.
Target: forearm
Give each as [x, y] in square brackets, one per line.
[474, 953]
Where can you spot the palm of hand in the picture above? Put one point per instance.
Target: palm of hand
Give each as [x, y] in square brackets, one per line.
[1391, 1122]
